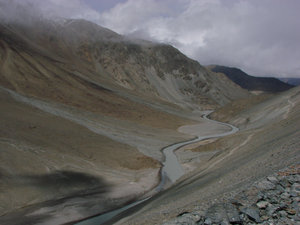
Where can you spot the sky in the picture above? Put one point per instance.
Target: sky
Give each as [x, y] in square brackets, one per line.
[262, 37]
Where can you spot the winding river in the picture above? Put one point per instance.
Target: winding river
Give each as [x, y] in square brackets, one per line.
[171, 170]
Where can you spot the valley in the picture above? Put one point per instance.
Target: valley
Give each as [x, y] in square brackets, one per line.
[171, 169]
[227, 166]
[92, 121]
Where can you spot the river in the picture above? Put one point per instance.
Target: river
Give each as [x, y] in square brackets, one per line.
[171, 170]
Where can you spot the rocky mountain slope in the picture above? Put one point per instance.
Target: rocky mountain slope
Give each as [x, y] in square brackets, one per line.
[85, 113]
[90, 53]
[272, 200]
[252, 83]
[268, 141]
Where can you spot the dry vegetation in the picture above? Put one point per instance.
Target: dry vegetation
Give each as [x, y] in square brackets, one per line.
[236, 107]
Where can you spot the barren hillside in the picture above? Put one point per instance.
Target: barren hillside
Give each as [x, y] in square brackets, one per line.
[86, 111]
[268, 140]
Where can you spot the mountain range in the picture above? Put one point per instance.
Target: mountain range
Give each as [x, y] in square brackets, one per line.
[85, 113]
[252, 83]
[74, 92]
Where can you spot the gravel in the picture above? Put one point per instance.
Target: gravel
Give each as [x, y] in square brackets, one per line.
[272, 200]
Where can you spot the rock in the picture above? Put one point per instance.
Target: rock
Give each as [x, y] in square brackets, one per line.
[217, 214]
[293, 193]
[264, 218]
[292, 179]
[272, 209]
[252, 213]
[291, 211]
[274, 200]
[208, 221]
[192, 216]
[185, 218]
[270, 222]
[282, 213]
[295, 187]
[296, 205]
[297, 178]
[243, 217]
[284, 182]
[261, 196]
[272, 179]
[285, 195]
[296, 218]
[265, 185]
[262, 204]
[295, 190]
[283, 205]
[280, 188]
[232, 214]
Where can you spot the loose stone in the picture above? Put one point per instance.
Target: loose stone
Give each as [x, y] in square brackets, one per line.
[262, 204]
[265, 185]
[252, 213]
[273, 200]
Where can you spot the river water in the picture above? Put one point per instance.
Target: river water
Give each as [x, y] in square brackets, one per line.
[171, 170]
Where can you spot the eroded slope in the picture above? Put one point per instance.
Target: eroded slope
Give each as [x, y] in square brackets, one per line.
[268, 141]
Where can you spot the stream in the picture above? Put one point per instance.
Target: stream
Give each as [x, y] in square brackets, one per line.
[171, 170]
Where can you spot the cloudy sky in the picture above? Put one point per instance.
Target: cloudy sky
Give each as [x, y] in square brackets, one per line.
[261, 37]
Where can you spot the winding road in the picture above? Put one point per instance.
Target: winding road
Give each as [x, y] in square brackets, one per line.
[171, 170]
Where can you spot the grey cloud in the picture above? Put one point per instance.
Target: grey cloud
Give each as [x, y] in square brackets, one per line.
[133, 15]
[24, 11]
[259, 36]
[13, 11]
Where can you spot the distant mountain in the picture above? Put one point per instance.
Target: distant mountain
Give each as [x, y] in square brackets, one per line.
[251, 83]
[291, 80]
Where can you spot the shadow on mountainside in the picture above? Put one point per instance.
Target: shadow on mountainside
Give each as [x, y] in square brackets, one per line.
[62, 182]
[69, 190]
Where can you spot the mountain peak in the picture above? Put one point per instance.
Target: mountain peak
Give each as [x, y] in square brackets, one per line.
[94, 31]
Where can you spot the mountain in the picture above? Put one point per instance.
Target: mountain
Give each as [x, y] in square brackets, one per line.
[252, 83]
[291, 80]
[154, 70]
[85, 113]
[268, 140]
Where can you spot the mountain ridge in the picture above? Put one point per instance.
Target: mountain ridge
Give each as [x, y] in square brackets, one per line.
[125, 98]
[116, 59]
[291, 80]
[251, 83]
[95, 106]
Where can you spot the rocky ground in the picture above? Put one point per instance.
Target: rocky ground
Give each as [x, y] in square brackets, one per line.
[272, 200]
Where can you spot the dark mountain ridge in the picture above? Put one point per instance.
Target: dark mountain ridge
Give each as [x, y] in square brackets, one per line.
[290, 80]
[252, 83]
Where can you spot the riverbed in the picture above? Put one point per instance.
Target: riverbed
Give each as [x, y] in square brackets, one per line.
[172, 169]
